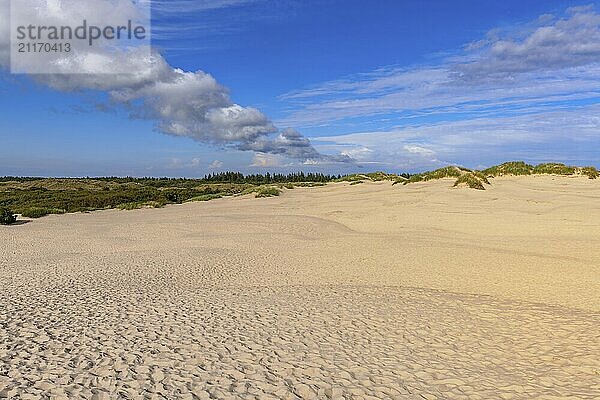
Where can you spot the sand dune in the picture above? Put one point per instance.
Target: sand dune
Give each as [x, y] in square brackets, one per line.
[340, 292]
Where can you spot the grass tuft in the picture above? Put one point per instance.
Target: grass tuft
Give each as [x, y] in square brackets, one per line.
[472, 180]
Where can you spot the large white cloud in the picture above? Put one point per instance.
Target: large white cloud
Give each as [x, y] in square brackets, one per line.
[183, 103]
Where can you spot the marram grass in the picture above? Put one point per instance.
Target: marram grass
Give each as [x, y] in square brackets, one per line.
[475, 179]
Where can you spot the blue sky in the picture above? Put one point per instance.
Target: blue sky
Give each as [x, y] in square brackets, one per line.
[378, 85]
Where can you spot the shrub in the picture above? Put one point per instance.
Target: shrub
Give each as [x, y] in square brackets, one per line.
[38, 212]
[267, 191]
[356, 183]
[138, 204]
[206, 197]
[7, 217]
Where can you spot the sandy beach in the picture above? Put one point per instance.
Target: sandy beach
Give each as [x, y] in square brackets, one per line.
[369, 291]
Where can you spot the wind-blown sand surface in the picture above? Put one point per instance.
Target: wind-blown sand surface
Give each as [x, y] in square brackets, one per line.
[342, 292]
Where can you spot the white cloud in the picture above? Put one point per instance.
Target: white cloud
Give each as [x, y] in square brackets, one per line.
[572, 136]
[266, 160]
[539, 66]
[182, 103]
[216, 164]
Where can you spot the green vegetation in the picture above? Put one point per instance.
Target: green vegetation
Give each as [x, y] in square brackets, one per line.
[38, 212]
[591, 172]
[554, 168]
[206, 197]
[472, 180]
[7, 217]
[267, 191]
[37, 197]
[521, 168]
[446, 172]
[137, 204]
[509, 168]
[372, 176]
[477, 179]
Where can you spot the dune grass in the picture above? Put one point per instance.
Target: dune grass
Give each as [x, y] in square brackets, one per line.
[509, 168]
[476, 179]
[554, 168]
[472, 180]
[372, 177]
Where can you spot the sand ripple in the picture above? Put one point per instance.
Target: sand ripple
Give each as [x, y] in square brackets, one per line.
[100, 340]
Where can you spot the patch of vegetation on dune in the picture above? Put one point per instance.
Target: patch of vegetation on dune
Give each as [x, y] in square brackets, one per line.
[372, 177]
[268, 191]
[7, 217]
[206, 197]
[356, 183]
[39, 212]
[477, 179]
[445, 172]
[554, 169]
[137, 204]
[591, 172]
[472, 180]
[37, 197]
[509, 168]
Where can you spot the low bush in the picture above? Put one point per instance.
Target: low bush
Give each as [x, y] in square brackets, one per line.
[206, 197]
[267, 191]
[138, 204]
[39, 212]
[7, 217]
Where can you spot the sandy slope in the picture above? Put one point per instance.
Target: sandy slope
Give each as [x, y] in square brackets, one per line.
[416, 291]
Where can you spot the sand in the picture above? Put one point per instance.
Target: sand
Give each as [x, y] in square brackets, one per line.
[369, 291]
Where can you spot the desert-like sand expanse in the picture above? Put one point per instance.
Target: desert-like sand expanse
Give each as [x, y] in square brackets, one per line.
[369, 291]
